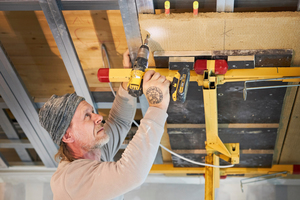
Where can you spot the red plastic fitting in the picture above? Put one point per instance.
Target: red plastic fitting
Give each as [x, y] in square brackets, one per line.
[296, 169]
[221, 66]
[103, 75]
[200, 66]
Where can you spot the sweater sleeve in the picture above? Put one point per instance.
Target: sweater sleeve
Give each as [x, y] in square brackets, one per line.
[86, 179]
[118, 123]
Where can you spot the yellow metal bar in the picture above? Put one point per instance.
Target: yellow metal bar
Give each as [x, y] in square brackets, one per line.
[216, 161]
[123, 75]
[267, 72]
[213, 142]
[209, 178]
[211, 65]
[211, 114]
[170, 169]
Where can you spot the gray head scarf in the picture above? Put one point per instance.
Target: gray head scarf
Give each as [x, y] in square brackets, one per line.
[56, 114]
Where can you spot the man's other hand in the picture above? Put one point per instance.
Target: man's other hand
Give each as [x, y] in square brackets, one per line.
[126, 64]
[156, 89]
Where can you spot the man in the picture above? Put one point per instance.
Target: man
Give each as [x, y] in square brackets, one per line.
[87, 147]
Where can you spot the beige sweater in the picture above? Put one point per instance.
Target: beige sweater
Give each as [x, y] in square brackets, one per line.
[90, 179]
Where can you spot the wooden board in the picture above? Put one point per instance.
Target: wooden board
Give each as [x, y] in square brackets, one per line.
[223, 31]
[290, 150]
[30, 45]
[287, 107]
[28, 40]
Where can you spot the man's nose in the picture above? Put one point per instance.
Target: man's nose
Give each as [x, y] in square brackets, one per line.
[98, 118]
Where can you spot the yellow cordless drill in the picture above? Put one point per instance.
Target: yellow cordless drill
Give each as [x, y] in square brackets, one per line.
[138, 70]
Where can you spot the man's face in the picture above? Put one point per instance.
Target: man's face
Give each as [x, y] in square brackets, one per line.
[87, 129]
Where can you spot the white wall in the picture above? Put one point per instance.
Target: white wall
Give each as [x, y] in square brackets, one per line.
[192, 188]
[36, 186]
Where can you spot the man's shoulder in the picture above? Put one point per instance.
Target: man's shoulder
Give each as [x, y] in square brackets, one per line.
[74, 169]
[70, 176]
[65, 165]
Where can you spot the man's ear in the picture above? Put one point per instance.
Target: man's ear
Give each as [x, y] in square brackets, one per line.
[68, 137]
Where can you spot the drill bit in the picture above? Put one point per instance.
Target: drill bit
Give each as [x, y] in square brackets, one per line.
[146, 40]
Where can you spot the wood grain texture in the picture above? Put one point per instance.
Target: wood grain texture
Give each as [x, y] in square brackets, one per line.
[223, 31]
[290, 150]
[27, 38]
[165, 141]
[287, 107]
[30, 45]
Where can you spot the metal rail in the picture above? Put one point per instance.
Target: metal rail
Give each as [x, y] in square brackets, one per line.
[31, 5]
[66, 48]
[20, 103]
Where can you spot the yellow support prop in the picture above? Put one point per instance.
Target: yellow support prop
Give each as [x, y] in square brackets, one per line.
[209, 178]
[213, 142]
[123, 75]
[216, 161]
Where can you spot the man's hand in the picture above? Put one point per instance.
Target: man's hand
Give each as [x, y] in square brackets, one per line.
[156, 89]
[126, 64]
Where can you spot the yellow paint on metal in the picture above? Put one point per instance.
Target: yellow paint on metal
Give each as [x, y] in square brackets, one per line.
[233, 75]
[217, 145]
[170, 169]
[209, 178]
[213, 142]
[216, 161]
[234, 150]
[210, 64]
[211, 114]
[263, 73]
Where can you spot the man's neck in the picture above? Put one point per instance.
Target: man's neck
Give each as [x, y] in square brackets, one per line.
[94, 154]
[80, 153]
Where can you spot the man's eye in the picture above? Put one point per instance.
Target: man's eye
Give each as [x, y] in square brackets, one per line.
[87, 115]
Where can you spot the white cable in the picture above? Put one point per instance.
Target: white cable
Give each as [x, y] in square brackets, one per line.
[194, 162]
[168, 150]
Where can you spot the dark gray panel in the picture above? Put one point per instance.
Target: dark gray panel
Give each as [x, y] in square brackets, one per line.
[246, 160]
[240, 64]
[192, 111]
[262, 106]
[249, 138]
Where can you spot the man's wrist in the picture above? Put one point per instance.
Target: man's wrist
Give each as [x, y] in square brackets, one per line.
[164, 108]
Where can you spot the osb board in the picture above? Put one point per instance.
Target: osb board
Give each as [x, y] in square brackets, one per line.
[223, 31]
[31, 47]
